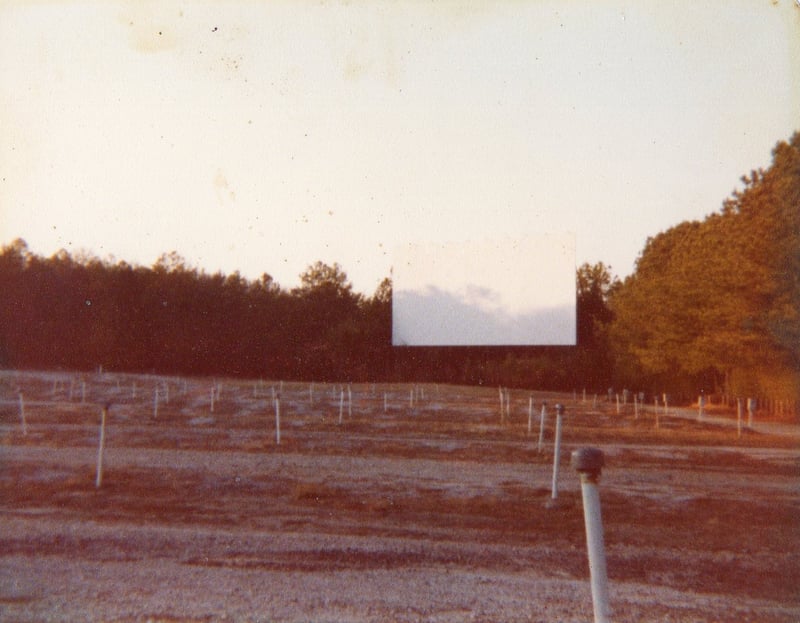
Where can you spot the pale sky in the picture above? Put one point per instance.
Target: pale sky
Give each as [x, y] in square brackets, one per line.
[262, 136]
[472, 270]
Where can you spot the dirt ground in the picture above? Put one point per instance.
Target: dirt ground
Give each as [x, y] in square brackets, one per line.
[380, 503]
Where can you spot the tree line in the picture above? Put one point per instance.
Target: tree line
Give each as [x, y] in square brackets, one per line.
[63, 312]
[712, 305]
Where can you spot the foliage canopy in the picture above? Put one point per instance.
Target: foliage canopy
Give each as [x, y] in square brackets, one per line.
[715, 304]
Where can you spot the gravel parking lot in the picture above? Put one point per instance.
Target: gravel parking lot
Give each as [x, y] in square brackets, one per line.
[403, 503]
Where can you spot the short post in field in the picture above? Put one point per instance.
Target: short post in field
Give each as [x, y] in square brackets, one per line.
[212, 398]
[751, 406]
[738, 417]
[635, 408]
[556, 452]
[349, 401]
[385, 404]
[155, 403]
[22, 414]
[502, 411]
[341, 404]
[588, 462]
[542, 417]
[83, 392]
[100, 447]
[278, 419]
[701, 403]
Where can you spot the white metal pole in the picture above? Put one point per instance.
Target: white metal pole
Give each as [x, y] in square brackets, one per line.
[212, 399]
[155, 403]
[278, 420]
[589, 462]
[557, 451]
[542, 416]
[100, 446]
[22, 415]
[738, 417]
[502, 412]
[341, 404]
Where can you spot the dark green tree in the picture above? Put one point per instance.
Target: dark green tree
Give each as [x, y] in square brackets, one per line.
[325, 324]
[591, 364]
[713, 304]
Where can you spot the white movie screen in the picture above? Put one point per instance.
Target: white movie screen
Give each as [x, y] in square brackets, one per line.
[499, 292]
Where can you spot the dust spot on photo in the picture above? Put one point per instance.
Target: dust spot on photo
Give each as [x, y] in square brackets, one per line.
[151, 27]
